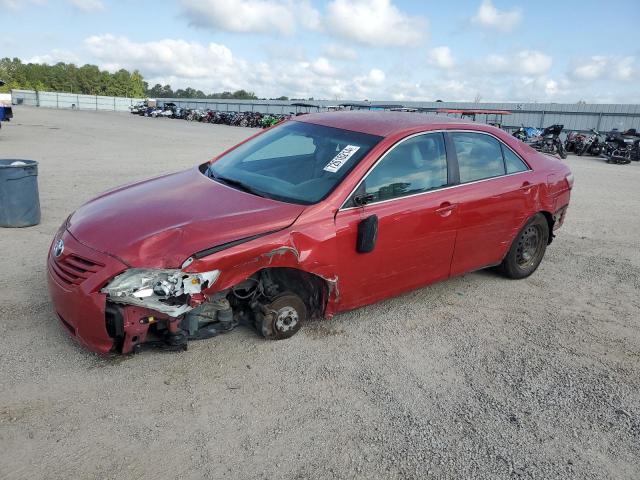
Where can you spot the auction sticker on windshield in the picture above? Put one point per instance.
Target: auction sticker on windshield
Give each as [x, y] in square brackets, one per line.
[341, 158]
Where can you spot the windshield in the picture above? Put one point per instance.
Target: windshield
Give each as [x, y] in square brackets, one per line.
[295, 162]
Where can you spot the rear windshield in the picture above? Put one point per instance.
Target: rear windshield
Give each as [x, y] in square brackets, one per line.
[296, 162]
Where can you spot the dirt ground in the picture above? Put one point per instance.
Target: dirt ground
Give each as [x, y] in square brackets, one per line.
[475, 377]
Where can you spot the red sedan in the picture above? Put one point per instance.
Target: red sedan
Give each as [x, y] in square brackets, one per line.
[321, 214]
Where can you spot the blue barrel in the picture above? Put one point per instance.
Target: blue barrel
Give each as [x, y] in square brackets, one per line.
[19, 199]
[6, 113]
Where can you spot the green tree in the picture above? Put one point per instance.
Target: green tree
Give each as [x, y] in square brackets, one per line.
[67, 77]
[89, 79]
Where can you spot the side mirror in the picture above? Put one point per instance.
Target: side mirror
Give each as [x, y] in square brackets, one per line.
[367, 234]
[362, 199]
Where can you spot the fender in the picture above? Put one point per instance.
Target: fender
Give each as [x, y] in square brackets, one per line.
[311, 250]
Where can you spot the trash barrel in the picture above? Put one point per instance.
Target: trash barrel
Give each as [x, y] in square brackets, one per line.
[19, 200]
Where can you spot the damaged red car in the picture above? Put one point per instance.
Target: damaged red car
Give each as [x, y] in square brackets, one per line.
[321, 214]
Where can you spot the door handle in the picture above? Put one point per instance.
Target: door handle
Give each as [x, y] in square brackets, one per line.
[526, 187]
[446, 208]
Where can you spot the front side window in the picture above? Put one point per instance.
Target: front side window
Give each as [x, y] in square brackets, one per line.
[296, 162]
[416, 165]
[479, 156]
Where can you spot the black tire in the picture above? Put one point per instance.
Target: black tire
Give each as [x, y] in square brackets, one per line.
[283, 317]
[527, 249]
[561, 151]
[586, 148]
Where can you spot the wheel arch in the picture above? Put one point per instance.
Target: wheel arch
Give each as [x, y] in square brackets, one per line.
[312, 288]
[550, 222]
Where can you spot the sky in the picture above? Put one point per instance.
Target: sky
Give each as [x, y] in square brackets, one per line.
[456, 50]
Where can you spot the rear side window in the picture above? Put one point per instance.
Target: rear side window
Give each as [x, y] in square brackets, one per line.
[479, 156]
[513, 162]
[416, 165]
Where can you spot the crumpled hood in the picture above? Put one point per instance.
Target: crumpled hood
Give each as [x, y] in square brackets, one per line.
[159, 223]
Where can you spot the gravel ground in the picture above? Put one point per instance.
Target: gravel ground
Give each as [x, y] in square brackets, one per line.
[476, 377]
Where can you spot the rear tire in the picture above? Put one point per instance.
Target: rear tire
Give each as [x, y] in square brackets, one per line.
[527, 250]
[561, 151]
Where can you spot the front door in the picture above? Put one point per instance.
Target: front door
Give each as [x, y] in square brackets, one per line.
[417, 222]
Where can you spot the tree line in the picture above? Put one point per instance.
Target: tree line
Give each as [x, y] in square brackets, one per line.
[90, 80]
[165, 91]
[67, 77]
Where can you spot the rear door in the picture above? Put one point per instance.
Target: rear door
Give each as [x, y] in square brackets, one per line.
[416, 223]
[495, 196]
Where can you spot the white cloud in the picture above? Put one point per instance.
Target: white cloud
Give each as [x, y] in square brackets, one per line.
[374, 78]
[369, 85]
[602, 66]
[163, 57]
[213, 67]
[18, 4]
[308, 16]
[256, 16]
[55, 56]
[88, 5]
[531, 62]
[441, 57]
[626, 69]
[540, 88]
[84, 5]
[490, 17]
[377, 23]
[591, 69]
[430, 90]
[321, 66]
[340, 52]
[525, 62]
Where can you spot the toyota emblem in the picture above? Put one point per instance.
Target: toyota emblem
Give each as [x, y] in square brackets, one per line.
[58, 248]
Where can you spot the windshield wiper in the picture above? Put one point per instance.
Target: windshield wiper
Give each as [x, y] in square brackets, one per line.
[236, 183]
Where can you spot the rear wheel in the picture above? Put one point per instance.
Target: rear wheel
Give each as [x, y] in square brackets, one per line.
[527, 249]
[561, 151]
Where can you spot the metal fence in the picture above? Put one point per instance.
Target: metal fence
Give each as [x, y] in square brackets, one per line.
[72, 100]
[579, 117]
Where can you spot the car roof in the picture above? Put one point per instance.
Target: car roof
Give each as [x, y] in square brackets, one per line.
[380, 123]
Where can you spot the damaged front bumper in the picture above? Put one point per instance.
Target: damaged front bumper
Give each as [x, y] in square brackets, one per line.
[108, 307]
[75, 275]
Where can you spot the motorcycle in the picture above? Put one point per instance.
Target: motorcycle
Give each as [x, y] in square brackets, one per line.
[135, 109]
[622, 148]
[524, 134]
[271, 119]
[194, 115]
[549, 142]
[572, 139]
[589, 144]
[179, 112]
[520, 134]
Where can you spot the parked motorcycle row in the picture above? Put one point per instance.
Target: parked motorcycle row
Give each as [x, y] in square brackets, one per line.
[616, 147]
[239, 119]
